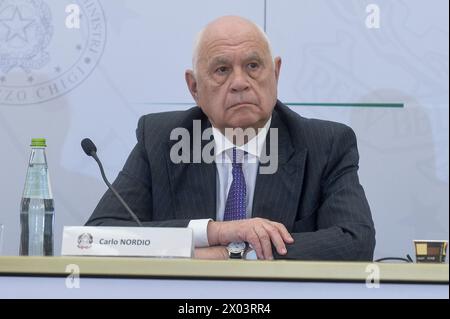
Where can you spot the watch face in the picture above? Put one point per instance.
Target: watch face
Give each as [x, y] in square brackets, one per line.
[236, 248]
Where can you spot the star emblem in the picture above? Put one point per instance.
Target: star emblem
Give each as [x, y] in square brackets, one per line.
[16, 26]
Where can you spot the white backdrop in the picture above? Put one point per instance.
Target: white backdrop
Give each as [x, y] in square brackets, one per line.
[128, 59]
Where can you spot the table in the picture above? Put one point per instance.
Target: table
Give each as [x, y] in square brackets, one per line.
[119, 277]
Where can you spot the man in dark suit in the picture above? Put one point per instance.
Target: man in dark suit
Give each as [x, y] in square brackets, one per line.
[311, 207]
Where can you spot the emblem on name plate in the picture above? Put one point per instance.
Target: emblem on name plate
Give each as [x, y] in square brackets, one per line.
[85, 241]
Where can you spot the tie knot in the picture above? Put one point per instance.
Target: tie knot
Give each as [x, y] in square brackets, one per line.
[236, 155]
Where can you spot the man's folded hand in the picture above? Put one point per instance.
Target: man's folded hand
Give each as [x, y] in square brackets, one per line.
[260, 233]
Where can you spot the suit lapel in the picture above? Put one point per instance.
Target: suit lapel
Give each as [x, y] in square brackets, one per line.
[193, 185]
[277, 195]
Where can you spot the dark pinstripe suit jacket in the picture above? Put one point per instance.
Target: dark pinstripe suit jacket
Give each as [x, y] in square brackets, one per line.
[315, 192]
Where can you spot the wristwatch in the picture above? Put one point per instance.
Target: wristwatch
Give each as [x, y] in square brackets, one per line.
[236, 250]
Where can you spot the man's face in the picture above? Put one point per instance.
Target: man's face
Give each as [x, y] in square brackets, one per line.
[236, 81]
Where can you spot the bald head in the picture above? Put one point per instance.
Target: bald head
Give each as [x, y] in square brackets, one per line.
[228, 27]
[234, 78]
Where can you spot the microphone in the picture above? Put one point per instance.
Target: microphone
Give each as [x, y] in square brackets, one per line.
[91, 150]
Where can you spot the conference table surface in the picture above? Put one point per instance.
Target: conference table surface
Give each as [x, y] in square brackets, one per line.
[123, 277]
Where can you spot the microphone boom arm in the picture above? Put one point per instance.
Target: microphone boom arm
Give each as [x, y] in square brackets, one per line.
[133, 215]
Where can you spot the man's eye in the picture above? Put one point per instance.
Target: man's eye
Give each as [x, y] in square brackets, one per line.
[253, 66]
[222, 70]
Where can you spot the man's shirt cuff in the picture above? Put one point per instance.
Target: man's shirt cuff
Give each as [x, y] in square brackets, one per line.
[251, 255]
[200, 230]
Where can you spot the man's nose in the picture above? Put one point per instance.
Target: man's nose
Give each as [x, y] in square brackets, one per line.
[239, 82]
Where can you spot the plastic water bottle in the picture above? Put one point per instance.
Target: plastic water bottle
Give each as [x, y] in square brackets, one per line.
[37, 209]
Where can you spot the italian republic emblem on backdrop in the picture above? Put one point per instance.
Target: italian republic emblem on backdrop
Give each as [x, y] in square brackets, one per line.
[47, 48]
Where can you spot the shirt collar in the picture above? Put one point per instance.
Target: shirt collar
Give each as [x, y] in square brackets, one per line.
[253, 147]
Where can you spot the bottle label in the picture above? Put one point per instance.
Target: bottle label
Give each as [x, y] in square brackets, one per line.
[38, 183]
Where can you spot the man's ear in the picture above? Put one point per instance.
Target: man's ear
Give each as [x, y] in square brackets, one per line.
[277, 63]
[192, 84]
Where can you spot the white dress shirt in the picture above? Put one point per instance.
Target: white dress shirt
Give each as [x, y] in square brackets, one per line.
[224, 177]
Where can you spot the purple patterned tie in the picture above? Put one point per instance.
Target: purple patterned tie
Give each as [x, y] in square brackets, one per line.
[236, 203]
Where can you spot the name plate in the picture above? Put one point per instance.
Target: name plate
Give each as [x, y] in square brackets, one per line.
[127, 241]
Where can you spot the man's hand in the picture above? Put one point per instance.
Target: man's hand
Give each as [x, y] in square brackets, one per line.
[214, 252]
[258, 232]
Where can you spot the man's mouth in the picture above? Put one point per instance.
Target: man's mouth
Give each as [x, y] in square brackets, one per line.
[241, 104]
